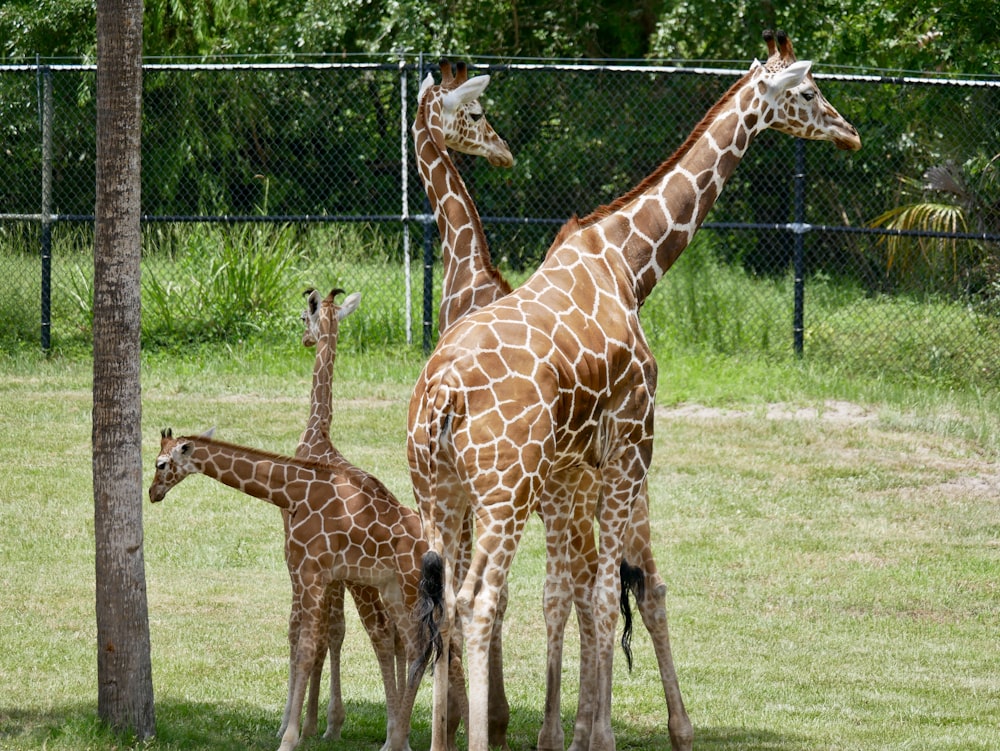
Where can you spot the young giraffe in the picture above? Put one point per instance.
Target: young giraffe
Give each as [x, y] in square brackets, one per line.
[343, 524]
[472, 282]
[322, 325]
[554, 384]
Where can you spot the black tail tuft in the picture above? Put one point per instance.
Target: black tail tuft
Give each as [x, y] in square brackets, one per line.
[634, 581]
[430, 610]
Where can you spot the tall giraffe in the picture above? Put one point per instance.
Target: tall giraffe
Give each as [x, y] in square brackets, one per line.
[553, 385]
[471, 281]
[343, 524]
[450, 115]
[322, 326]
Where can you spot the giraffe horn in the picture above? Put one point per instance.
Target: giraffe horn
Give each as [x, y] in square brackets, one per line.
[462, 74]
[785, 48]
[336, 291]
[772, 49]
[447, 78]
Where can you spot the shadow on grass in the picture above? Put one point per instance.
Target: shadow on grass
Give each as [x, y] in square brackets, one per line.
[220, 726]
[231, 726]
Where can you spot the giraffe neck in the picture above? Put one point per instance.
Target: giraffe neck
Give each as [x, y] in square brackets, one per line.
[652, 224]
[273, 478]
[318, 425]
[470, 279]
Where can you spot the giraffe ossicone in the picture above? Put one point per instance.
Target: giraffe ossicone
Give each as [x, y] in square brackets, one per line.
[553, 386]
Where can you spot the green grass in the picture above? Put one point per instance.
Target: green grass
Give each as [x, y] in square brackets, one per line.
[833, 573]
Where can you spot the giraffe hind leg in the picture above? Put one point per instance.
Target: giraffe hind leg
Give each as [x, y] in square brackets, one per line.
[653, 610]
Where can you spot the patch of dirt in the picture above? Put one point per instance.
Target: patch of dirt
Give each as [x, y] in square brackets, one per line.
[832, 410]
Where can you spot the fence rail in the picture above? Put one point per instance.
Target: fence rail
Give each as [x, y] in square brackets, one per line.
[313, 144]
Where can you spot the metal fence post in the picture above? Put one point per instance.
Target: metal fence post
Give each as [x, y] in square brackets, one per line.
[428, 220]
[800, 228]
[45, 73]
[404, 175]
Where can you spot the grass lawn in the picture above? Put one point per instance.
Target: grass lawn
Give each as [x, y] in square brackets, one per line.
[832, 550]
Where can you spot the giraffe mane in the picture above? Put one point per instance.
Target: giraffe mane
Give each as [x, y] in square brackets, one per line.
[603, 212]
[358, 476]
[264, 454]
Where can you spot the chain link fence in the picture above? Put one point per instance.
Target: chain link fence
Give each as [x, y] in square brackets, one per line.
[315, 161]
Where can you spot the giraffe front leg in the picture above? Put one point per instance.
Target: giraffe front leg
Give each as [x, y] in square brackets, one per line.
[310, 637]
[584, 572]
[294, 622]
[382, 635]
[557, 599]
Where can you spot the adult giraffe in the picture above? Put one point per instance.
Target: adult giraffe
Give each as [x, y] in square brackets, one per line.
[449, 115]
[552, 386]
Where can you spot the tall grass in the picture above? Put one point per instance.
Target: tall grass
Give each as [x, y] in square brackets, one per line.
[207, 284]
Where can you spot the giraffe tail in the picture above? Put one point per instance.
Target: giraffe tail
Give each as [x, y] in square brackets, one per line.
[634, 581]
[431, 606]
[430, 610]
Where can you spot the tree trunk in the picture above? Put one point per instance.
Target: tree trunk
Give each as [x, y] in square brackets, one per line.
[124, 671]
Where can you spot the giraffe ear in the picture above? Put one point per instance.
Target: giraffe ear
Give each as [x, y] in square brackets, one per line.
[791, 76]
[424, 85]
[351, 303]
[208, 433]
[467, 92]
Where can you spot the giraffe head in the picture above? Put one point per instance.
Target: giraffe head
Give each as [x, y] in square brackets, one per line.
[173, 463]
[311, 315]
[462, 122]
[798, 107]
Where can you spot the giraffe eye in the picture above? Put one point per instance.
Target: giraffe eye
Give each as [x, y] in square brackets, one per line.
[808, 95]
[476, 116]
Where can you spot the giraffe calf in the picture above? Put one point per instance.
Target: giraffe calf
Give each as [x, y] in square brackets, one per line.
[343, 526]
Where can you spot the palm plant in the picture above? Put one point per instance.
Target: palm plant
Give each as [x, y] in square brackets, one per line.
[949, 202]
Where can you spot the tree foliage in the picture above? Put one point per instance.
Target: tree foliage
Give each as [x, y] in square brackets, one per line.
[960, 37]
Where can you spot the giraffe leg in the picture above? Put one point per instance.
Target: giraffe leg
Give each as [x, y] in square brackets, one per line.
[442, 677]
[294, 623]
[653, 609]
[478, 604]
[499, 717]
[311, 635]
[620, 495]
[458, 700]
[605, 600]
[398, 738]
[584, 571]
[382, 635]
[556, 603]
[336, 631]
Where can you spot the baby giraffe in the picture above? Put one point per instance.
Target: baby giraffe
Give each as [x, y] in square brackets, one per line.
[322, 328]
[343, 525]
